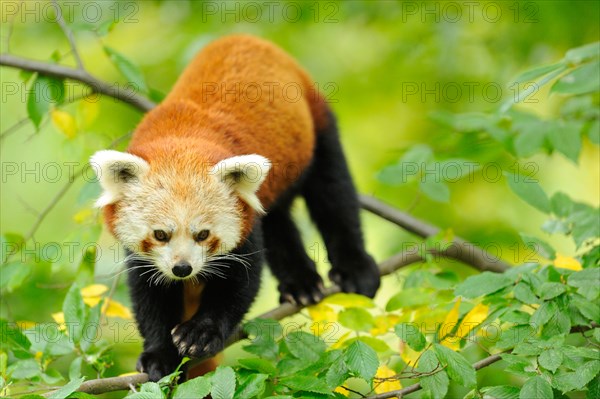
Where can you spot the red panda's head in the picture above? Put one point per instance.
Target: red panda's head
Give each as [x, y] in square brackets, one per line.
[176, 214]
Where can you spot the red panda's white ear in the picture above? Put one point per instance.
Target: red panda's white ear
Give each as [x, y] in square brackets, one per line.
[115, 170]
[245, 174]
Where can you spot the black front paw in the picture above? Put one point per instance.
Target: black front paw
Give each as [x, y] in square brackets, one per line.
[158, 363]
[198, 338]
[360, 276]
[302, 290]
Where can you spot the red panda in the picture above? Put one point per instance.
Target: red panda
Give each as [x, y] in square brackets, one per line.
[204, 191]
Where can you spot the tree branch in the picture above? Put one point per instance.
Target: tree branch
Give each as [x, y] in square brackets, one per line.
[460, 249]
[124, 94]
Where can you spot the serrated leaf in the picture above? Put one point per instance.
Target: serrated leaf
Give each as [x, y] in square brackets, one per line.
[74, 312]
[130, 71]
[572, 381]
[198, 387]
[357, 319]
[582, 80]
[252, 387]
[589, 309]
[529, 191]
[260, 365]
[67, 389]
[409, 298]
[305, 346]
[472, 319]
[524, 293]
[594, 388]
[361, 360]
[552, 290]
[543, 314]
[482, 284]
[562, 205]
[223, 383]
[437, 383]
[501, 392]
[305, 383]
[457, 367]
[550, 359]
[410, 334]
[322, 312]
[536, 387]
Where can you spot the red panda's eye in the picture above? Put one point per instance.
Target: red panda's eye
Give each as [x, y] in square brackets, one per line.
[161, 235]
[202, 235]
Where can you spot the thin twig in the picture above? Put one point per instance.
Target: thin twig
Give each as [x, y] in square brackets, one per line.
[12, 129]
[68, 33]
[124, 94]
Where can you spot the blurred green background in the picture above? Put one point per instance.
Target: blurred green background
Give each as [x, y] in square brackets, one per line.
[368, 57]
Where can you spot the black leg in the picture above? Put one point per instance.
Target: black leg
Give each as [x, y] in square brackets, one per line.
[333, 205]
[224, 302]
[157, 310]
[298, 279]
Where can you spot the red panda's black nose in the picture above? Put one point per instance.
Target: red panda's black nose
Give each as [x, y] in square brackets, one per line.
[182, 269]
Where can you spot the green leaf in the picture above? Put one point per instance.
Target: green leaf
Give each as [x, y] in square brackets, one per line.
[550, 359]
[589, 309]
[586, 281]
[594, 388]
[552, 290]
[538, 72]
[435, 189]
[361, 360]
[524, 294]
[529, 191]
[437, 383]
[337, 373]
[541, 247]
[457, 367]
[223, 383]
[305, 383]
[75, 368]
[198, 387]
[572, 381]
[513, 336]
[13, 275]
[482, 284]
[566, 139]
[130, 71]
[561, 204]
[529, 142]
[516, 316]
[152, 388]
[260, 365]
[593, 132]
[68, 389]
[357, 319]
[583, 53]
[44, 92]
[253, 386]
[75, 312]
[410, 334]
[305, 346]
[536, 387]
[501, 392]
[410, 298]
[81, 395]
[582, 80]
[379, 345]
[543, 314]
[24, 369]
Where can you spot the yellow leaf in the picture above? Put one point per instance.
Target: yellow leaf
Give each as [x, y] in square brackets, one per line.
[88, 110]
[349, 300]
[566, 262]
[475, 317]
[64, 122]
[342, 390]
[83, 215]
[322, 312]
[93, 290]
[408, 355]
[387, 381]
[341, 340]
[450, 320]
[451, 342]
[113, 308]
[384, 324]
[59, 318]
[91, 301]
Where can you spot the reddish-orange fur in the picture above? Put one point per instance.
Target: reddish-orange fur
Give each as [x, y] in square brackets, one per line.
[202, 124]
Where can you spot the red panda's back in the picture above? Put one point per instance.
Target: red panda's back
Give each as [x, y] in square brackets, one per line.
[249, 97]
